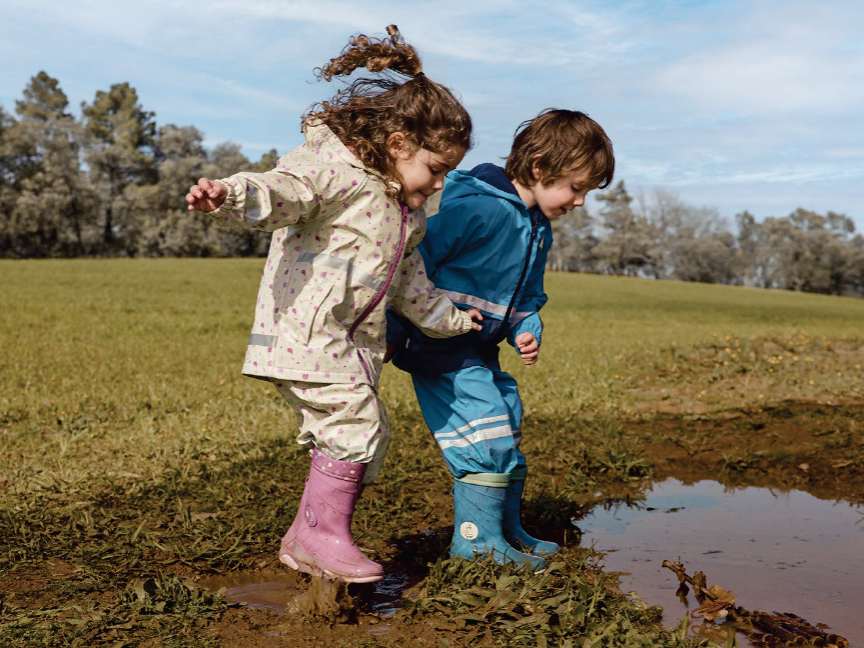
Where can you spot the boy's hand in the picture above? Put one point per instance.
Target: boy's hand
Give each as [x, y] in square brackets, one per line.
[206, 196]
[528, 348]
[388, 354]
[475, 315]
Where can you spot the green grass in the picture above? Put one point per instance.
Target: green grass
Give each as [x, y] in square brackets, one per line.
[144, 355]
[134, 452]
[599, 330]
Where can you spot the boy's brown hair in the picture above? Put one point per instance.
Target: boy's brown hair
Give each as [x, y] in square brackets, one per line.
[560, 142]
[368, 111]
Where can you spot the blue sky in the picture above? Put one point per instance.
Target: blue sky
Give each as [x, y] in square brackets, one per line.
[730, 104]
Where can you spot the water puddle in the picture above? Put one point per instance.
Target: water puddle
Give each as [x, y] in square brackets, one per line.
[265, 590]
[777, 551]
[283, 590]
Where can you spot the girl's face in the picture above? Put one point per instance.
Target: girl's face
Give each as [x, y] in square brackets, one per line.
[421, 171]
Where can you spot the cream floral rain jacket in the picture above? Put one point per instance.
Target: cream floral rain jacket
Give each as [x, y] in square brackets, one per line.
[341, 251]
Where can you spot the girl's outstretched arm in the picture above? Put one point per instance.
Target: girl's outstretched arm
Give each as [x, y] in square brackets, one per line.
[287, 195]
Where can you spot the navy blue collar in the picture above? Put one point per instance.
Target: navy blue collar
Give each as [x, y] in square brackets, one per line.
[493, 175]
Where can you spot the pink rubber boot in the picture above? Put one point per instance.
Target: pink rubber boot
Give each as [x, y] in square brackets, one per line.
[319, 541]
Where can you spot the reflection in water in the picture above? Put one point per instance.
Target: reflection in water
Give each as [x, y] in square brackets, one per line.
[783, 551]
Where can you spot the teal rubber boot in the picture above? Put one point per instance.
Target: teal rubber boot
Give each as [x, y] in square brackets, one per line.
[477, 530]
[513, 530]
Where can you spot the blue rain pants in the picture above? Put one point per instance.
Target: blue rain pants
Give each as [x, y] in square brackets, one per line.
[474, 414]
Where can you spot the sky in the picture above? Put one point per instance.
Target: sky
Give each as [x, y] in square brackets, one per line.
[732, 105]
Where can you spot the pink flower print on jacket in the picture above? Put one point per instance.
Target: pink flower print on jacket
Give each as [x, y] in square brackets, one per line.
[333, 257]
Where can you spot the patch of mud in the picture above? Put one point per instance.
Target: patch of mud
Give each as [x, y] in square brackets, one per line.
[812, 447]
[328, 601]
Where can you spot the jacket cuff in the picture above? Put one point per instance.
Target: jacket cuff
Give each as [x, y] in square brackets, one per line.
[233, 203]
[467, 322]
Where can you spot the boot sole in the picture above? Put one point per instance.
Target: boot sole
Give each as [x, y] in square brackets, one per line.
[500, 559]
[307, 564]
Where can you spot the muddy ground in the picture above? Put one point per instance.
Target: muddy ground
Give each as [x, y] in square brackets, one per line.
[804, 446]
[813, 447]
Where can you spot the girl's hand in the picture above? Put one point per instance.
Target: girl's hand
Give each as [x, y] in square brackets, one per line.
[206, 196]
[475, 315]
[528, 348]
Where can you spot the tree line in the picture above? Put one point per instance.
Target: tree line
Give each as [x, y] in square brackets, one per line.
[663, 237]
[111, 183]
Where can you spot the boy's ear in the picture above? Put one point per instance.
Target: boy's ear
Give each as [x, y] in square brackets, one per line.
[397, 145]
[535, 169]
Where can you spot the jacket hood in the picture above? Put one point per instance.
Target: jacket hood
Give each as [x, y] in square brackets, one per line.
[320, 137]
[484, 179]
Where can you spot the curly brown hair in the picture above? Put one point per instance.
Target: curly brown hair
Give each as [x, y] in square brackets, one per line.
[560, 142]
[365, 113]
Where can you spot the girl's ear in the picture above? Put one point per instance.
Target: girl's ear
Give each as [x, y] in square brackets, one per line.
[397, 145]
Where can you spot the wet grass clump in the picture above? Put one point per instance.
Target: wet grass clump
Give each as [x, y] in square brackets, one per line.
[161, 608]
[570, 603]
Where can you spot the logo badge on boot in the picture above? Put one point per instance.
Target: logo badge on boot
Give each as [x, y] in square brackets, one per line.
[469, 530]
[311, 520]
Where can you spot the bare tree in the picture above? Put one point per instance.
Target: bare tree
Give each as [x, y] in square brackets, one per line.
[692, 243]
[573, 243]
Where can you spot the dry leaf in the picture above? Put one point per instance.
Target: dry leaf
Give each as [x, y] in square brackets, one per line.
[682, 592]
[718, 608]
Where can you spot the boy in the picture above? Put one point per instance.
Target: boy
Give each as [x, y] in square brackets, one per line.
[486, 248]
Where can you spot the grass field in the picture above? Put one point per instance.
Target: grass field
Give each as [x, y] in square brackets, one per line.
[135, 458]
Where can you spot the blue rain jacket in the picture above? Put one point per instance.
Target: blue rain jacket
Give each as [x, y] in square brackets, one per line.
[486, 249]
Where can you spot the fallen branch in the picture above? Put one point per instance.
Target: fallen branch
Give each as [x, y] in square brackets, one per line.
[761, 628]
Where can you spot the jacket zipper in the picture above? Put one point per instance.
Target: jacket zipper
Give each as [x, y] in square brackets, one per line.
[396, 260]
[534, 223]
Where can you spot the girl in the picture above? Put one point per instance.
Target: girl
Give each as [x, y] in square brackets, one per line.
[343, 210]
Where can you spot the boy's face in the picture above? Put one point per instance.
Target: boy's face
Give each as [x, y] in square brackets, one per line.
[562, 195]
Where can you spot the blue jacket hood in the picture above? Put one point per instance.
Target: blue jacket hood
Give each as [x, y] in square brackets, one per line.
[486, 179]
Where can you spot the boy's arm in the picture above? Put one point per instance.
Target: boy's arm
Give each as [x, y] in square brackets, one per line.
[427, 307]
